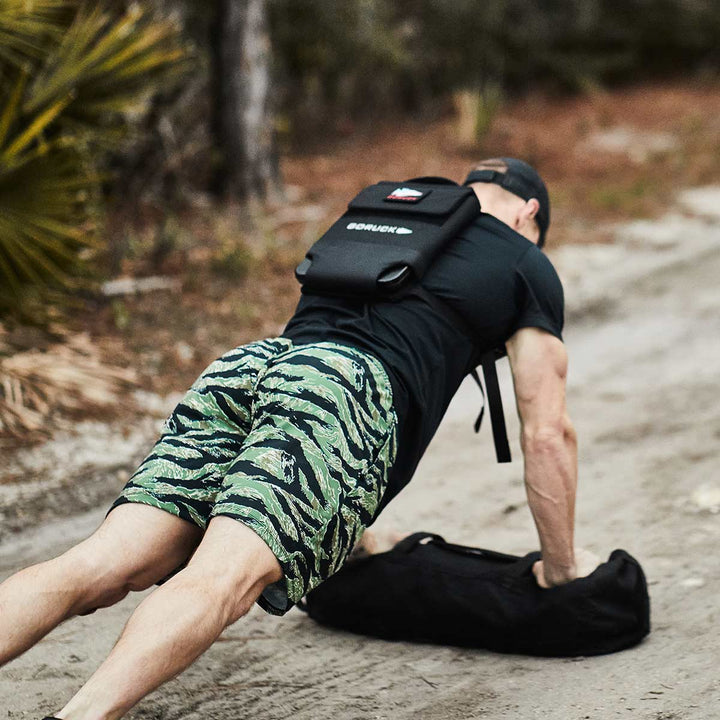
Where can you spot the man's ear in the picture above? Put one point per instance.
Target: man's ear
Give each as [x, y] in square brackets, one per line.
[525, 220]
[529, 210]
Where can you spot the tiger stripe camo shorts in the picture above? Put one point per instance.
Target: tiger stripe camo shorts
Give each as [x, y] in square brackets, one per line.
[294, 441]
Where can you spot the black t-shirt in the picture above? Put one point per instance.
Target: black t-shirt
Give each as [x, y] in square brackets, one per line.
[497, 280]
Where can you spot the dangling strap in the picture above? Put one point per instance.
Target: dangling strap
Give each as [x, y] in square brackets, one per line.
[478, 422]
[497, 416]
[494, 398]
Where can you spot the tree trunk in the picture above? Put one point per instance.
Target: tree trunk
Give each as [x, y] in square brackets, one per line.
[244, 132]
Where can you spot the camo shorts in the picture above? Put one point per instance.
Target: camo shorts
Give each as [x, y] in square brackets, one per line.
[295, 441]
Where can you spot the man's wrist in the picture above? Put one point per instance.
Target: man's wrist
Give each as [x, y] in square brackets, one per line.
[559, 574]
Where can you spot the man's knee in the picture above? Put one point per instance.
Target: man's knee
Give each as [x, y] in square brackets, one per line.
[135, 547]
[106, 575]
[237, 606]
[222, 599]
[234, 564]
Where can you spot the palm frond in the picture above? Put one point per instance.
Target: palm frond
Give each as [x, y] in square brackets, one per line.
[48, 199]
[26, 26]
[48, 193]
[108, 65]
[71, 72]
[34, 133]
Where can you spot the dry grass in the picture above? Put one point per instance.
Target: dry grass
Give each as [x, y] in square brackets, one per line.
[67, 377]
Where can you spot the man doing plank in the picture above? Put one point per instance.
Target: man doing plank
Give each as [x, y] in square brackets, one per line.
[286, 449]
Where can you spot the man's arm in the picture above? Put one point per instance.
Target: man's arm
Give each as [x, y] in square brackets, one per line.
[538, 361]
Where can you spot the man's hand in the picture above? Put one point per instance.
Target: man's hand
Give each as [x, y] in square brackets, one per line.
[585, 563]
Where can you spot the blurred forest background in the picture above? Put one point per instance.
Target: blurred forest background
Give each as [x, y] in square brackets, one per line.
[165, 163]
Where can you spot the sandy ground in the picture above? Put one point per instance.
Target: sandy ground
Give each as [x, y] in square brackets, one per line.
[643, 335]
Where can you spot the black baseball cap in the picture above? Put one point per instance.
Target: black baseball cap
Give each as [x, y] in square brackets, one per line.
[520, 179]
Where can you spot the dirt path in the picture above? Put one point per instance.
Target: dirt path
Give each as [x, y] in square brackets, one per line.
[643, 335]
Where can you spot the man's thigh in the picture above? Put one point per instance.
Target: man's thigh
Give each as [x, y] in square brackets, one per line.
[235, 560]
[165, 506]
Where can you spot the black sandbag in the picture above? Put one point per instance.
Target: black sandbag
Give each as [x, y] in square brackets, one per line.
[427, 590]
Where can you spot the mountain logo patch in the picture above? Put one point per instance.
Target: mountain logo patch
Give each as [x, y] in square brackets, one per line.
[405, 194]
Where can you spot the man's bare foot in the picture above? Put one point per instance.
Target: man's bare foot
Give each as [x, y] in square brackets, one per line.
[373, 542]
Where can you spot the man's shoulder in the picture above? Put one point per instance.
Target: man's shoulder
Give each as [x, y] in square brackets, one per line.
[544, 304]
[498, 237]
[535, 264]
[508, 247]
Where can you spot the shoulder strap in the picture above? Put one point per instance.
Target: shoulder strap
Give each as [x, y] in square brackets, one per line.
[433, 180]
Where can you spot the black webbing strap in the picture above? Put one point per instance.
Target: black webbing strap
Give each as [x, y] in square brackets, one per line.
[497, 416]
[494, 399]
[478, 422]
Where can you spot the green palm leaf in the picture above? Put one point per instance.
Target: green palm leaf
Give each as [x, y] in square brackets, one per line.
[26, 26]
[108, 65]
[46, 212]
[70, 73]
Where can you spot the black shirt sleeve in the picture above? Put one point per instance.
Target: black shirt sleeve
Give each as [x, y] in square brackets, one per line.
[543, 304]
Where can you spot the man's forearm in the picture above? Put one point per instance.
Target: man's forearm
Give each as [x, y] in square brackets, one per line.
[551, 482]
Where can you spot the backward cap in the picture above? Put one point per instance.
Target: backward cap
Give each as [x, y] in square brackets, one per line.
[521, 179]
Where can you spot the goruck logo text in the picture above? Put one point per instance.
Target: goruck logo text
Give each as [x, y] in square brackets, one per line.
[393, 229]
